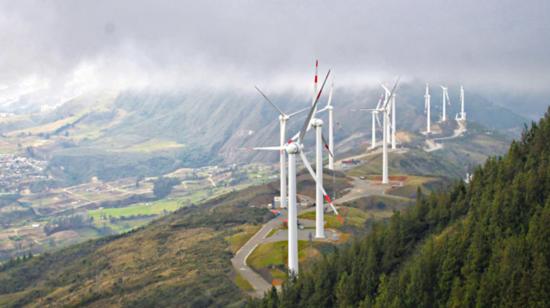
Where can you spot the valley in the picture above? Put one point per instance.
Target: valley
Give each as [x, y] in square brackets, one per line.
[32, 223]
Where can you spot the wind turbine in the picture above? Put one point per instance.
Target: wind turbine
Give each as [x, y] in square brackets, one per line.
[283, 118]
[427, 109]
[295, 147]
[375, 119]
[385, 108]
[319, 142]
[391, 125]
[445, 101]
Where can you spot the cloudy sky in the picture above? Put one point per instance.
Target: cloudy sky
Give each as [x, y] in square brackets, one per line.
[499, 44]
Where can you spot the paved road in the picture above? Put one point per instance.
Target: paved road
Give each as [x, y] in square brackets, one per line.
[304, 234]
[239, 260]
[360, 188]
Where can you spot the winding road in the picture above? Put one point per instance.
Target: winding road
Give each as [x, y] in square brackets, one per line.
[360, 188]
[432, 145]
[239, 260]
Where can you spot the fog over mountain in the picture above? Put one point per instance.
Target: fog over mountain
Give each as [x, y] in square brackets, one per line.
[53, 51]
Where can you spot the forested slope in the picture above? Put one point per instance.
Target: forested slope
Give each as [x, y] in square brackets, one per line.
[481, 244]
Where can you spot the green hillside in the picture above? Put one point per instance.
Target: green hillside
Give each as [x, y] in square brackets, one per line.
[181, 258]
[483, 244]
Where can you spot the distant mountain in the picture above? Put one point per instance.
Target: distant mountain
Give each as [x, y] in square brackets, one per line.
[148, 133]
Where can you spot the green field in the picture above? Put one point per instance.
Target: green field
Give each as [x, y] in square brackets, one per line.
[140, 209]
[151, 145]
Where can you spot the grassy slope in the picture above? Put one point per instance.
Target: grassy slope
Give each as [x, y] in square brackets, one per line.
[181, 258]
[269, 259]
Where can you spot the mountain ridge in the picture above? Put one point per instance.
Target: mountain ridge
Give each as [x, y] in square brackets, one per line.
[206, 127]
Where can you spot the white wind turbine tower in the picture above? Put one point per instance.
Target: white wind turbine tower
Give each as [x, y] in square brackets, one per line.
[445, 101]
[427, 109]
[293, 147]
[374, 114]
[283, 118]
[393, 113]
[386, 97]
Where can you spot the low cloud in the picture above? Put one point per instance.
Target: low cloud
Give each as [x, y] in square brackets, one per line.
[186, 44]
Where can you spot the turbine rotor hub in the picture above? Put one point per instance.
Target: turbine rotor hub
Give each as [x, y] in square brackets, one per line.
[317, 122]
[292, 148]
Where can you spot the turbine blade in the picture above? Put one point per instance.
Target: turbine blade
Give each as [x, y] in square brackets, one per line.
[378, 120]
[270, 102]
[322, 110]
[325, 143]
[312, 173]
[312, 110]
[294, 138]
[380, 100]
[386, 103]
[384, 87]
[275, 148]
[298, 112]
[329, 102]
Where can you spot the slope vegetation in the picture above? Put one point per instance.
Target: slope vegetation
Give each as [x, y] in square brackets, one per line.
[181, 259]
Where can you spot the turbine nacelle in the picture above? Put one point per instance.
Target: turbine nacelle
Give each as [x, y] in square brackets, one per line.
[293, 148]
[284, 117]
[316, 122]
